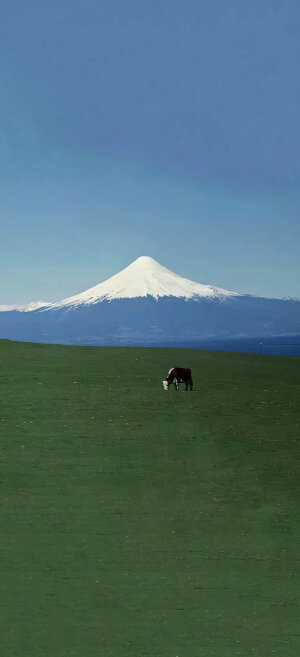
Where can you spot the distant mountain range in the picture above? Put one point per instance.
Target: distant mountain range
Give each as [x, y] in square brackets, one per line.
[147, 304]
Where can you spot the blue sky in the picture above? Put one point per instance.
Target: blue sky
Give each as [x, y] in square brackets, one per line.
[167, 128]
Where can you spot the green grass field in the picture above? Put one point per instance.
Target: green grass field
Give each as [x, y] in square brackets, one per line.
[141, 522]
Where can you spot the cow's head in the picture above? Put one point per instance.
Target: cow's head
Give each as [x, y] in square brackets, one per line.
[166, 385]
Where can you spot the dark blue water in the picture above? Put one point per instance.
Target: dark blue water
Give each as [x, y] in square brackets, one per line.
[271, 346]
[276, 346]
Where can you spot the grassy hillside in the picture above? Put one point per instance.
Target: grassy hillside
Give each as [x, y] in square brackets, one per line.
[140, 522]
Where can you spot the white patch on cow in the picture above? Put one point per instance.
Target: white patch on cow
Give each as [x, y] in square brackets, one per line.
[169, 372]
[165, 385]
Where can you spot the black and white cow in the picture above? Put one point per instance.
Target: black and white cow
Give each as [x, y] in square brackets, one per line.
[178, 375]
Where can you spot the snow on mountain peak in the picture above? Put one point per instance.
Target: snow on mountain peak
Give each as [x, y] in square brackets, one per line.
[144, 277]
[34, 305]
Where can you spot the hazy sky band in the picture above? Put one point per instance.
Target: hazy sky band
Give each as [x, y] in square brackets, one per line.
[161, 128]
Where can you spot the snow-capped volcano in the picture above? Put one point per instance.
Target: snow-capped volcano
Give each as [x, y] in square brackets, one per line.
[142, 278]
[147, 304]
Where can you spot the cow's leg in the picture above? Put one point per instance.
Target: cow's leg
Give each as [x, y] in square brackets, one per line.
[191, 384]
[176, 384]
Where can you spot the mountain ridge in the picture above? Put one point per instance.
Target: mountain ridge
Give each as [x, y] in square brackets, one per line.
[147, 304]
